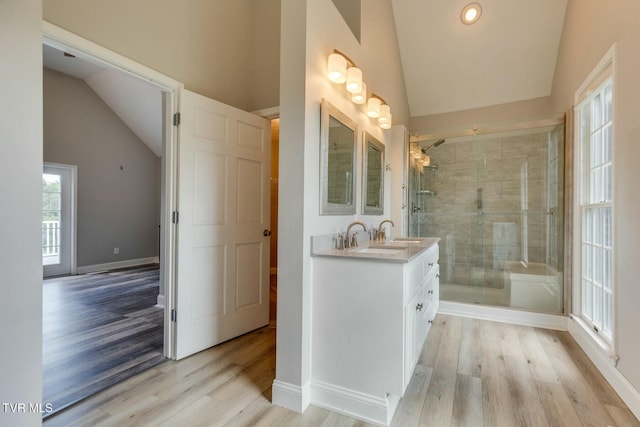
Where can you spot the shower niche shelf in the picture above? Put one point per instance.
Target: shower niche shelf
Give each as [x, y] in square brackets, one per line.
[433, 167]
[426, 193]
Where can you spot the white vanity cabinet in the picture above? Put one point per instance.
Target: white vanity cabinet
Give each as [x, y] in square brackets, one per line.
[422, 290]
[370, 319]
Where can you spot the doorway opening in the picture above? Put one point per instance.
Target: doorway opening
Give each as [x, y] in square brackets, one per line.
[273, 260]
[203, 148]
[105, 175]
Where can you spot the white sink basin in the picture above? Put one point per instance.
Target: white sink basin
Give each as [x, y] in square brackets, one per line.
[382, 250]
[406, 240]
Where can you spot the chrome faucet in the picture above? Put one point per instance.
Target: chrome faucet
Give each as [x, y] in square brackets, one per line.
[380, 234]
[352, 241]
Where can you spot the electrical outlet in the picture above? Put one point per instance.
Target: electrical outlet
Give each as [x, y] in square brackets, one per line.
[116, 251]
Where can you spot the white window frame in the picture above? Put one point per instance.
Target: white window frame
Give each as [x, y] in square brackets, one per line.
[602, 75]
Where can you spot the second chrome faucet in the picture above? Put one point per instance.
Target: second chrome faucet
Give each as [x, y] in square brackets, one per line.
[352, 241]
[380, 234]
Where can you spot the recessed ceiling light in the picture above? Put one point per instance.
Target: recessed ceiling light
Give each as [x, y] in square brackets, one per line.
[471, 13]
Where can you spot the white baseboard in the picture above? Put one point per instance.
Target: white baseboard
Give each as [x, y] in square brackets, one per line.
[370, 409]
[605, 365]
[118, 264]
[160, 301]
[505, 315]
[290, 396]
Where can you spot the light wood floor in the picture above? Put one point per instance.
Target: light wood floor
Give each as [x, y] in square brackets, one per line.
[471, 373]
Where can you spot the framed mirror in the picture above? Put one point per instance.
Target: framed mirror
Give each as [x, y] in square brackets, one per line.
[338, 142]
[372, 176]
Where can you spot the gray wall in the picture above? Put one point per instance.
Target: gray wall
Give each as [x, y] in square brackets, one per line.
[225, 50]
[20, 216]
[118, 176]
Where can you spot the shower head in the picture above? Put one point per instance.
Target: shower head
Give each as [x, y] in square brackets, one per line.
[435, 144]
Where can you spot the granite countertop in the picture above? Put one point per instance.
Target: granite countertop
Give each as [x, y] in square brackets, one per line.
[394, 250]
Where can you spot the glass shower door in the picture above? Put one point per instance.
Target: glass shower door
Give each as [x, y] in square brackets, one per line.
[496, 204]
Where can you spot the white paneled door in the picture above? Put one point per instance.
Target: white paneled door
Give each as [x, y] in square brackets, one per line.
[222, 286]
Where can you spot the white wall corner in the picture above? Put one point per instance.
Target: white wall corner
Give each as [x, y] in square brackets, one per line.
[370, 409]
[290, 396]
[627, 392]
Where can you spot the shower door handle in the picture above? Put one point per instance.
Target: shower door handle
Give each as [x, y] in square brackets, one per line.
[414, 208]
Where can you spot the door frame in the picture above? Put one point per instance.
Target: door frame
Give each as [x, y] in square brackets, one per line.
[62, 39]
[73, 220]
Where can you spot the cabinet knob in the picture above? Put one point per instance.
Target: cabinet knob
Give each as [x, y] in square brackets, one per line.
[430, 264]
[419, 307]
[438, 275]
[430, 292]
[430, 322]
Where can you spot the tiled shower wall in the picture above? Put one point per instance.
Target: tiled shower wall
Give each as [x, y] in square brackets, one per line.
[497, 199]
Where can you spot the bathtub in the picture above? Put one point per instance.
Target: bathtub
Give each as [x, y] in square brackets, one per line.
[535, 286]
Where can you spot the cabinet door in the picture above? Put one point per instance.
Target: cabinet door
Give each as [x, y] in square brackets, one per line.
[415, 332]
[411, 316]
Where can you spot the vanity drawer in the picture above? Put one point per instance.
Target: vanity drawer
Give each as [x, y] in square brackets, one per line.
[430, 262]
[414, 280]
[420, 271]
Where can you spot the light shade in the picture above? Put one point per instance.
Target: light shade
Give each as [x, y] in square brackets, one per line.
[354, 79]
[337, 70]
[471, 13]
[373, 107]
[360, 97]
[386, 124]
[385, 115]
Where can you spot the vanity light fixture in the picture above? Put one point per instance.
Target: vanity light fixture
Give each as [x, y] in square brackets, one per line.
[471, 13]
[354, 79]
[373, 107]
[361, 96]
[384, 120]
[337, 70]
[341, 69]
[377, 108]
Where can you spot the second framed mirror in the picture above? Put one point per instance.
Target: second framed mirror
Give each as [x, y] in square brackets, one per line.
[372, 176]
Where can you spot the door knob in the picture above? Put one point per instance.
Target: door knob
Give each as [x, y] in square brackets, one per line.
[266, 233]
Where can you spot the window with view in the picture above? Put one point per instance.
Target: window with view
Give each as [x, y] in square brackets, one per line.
[594, 203]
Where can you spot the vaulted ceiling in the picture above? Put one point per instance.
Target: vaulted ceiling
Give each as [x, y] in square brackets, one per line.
[136, 103]
[508, 55]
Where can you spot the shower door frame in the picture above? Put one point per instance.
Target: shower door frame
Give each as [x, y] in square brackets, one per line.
[506, 127]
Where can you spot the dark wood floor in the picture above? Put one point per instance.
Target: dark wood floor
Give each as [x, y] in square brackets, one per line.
[98, 330]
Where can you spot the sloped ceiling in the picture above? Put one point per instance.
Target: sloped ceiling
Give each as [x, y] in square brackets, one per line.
[508, 55]
[136, 103]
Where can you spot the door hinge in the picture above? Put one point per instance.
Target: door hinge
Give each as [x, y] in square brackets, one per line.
[175, 217]
[176, 119]
[174, 316]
